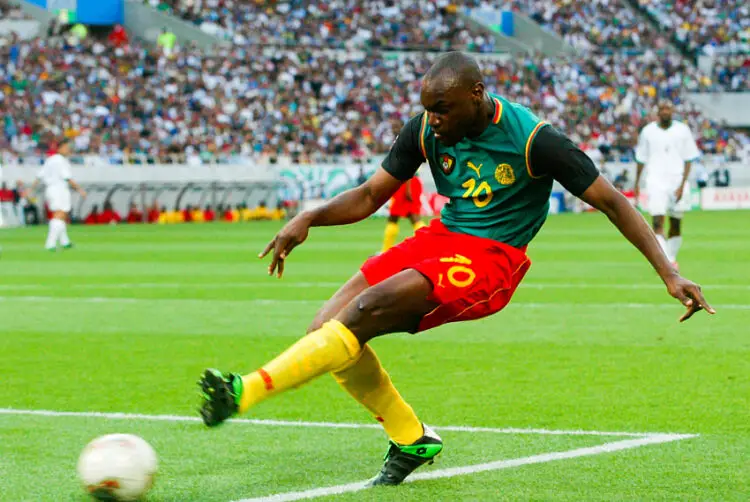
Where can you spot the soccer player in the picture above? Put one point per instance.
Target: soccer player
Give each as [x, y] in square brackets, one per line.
[666, 149]
[405, 203]
[57, 178]
[496, 161]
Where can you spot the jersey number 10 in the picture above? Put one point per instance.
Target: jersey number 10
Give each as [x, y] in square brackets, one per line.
[482, 194]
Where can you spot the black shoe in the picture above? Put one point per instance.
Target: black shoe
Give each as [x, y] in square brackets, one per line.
[221, 396]
[69, 245]
[402, 460]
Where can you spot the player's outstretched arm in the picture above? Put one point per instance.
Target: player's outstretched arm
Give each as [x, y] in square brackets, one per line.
[604, 197]
[351, 206]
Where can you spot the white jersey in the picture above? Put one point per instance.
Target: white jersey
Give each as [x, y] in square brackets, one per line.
[664, 153]
[55, 173]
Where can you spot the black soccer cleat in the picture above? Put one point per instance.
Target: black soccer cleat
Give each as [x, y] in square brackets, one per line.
[402, 460]
[221, 396]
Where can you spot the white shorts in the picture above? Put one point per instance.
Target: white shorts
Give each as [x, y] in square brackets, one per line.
[58, 199]
[661, 202]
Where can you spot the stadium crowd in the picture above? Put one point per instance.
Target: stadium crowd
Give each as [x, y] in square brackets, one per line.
[705, 26]
[11, 11]
[130, 101]
[594, 24]
[403, 24]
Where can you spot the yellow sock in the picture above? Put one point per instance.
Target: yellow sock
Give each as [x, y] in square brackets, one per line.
[390, 236]
[419, 224]
[368, 383]
[331, 347]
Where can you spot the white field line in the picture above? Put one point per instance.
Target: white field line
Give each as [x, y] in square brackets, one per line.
[473, 469]
[327, 425]
[323, 284]
[278, 301]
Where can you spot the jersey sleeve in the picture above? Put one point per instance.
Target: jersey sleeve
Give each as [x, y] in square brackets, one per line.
[406, 154]
[689, 150]
[641, 149]
[554, 154]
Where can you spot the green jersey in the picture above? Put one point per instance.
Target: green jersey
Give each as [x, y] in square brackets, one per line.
[494, 189]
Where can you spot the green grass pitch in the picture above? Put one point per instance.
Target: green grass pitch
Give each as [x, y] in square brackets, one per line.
[126, 321]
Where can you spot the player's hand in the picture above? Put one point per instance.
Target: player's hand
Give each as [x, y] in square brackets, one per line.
[82, 193]
[678, 194]
[689, 294]
[292, 235]
[637, 195]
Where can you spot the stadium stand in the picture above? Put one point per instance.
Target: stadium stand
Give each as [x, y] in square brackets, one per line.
[410, 24]
[709, 26]
[593, 25]
[11, 11]
[133, 103]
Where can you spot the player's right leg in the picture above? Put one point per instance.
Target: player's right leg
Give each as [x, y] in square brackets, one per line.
[394, 305]
[416, 221]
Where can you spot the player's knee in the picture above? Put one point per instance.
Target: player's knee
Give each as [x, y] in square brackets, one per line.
[372, 304]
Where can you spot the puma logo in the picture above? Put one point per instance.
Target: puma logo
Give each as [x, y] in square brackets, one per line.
[474, 168]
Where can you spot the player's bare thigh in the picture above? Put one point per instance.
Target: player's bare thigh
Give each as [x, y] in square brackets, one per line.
[346, 293]
[397, 304]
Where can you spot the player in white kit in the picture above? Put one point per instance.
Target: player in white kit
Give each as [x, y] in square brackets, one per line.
[57, 178]
[666, 149]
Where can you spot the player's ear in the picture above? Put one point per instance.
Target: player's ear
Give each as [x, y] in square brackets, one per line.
[477, 91]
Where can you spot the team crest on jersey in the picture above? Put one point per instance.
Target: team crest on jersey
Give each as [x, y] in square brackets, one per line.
[447, 163]
[504, 174]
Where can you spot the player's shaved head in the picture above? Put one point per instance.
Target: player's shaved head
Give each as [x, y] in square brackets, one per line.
[665, 109]
[454, 69]
[455, 99]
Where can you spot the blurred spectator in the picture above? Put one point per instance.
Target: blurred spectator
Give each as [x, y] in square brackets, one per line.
[197, 215]
[134, 214]
[118, 37]
[20, 202]
[261, 212]
[208, 214]
[108, 215]
[167, 41]
[279, 213]
[153, 213]
[622, 182]
[93, 217]
[187, 214]
[228, 214]
[721, 177]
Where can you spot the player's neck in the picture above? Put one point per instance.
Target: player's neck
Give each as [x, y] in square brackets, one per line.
[486, 112]
[665, 125]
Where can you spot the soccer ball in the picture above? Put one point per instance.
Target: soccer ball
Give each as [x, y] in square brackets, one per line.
[117, 467]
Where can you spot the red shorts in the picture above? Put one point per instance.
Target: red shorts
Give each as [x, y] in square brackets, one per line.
[400, 206]
[472, 277]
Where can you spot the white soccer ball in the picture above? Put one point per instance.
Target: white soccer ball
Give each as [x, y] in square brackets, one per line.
[117, 467]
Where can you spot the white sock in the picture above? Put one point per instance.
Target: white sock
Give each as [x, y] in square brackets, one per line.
[63, 233]
[663, 244]
[674, 244]
[52, 233]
